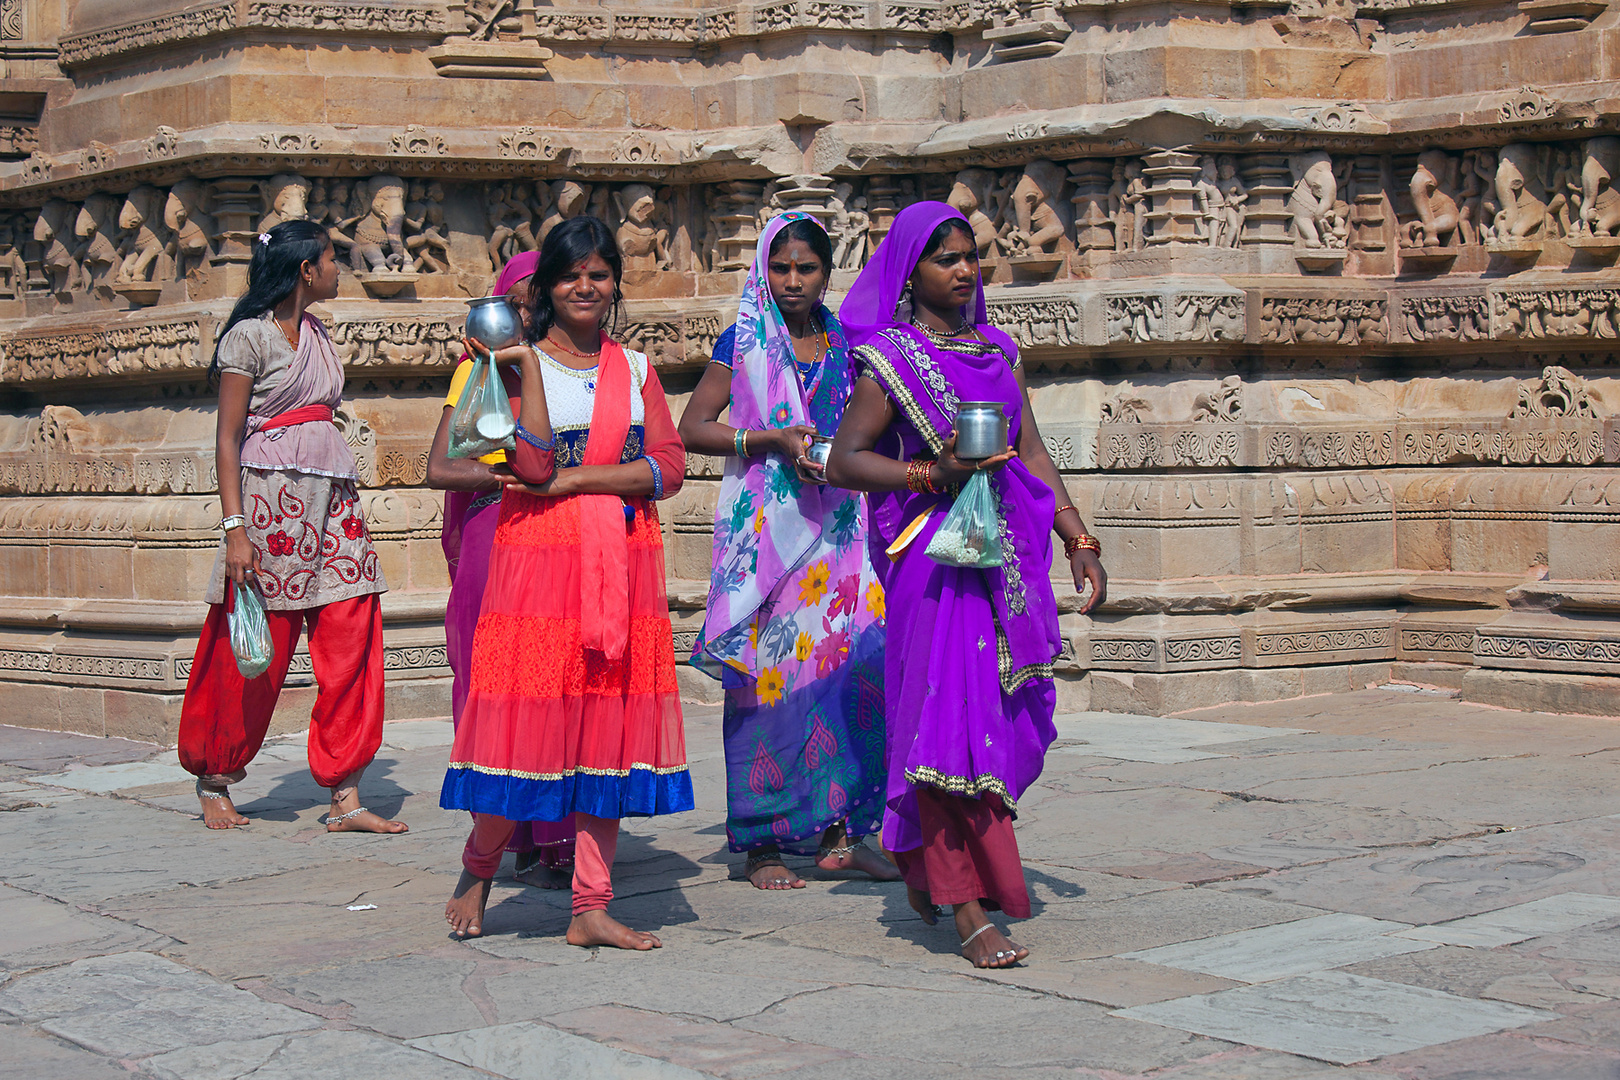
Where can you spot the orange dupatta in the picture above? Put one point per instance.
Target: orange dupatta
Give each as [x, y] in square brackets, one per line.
[604, 579]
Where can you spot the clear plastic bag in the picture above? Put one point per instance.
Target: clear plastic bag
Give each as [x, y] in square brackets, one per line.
[250, 633]
[482, 422]
[971, 532]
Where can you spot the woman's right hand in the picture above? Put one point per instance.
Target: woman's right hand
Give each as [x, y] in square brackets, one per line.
[512, 354]
[955, 470]
[790, 442]
[241, 557]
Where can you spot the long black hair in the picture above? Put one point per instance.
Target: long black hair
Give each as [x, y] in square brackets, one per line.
[272, 274]
[814, 236]
[567, 245]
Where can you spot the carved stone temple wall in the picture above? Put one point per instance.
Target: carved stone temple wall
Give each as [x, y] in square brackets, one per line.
[1319, 300]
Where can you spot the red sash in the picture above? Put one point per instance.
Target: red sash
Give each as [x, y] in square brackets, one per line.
[604, 578]
[308, 414]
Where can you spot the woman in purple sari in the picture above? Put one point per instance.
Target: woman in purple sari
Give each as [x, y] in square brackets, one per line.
[968, 677]
[472, 507]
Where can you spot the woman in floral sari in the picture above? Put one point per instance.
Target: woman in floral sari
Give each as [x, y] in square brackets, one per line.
[968, 687]
[794, 627]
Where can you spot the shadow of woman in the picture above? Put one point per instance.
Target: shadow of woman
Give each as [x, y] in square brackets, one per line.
[297, 790]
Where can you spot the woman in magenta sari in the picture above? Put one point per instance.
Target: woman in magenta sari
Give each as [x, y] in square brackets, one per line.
[472, 506]
[968, 688]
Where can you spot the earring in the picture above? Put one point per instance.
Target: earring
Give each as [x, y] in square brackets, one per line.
[904, 302]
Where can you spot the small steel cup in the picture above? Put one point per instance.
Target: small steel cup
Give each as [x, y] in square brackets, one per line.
[981, 430]
[819, 451]
[493, 322]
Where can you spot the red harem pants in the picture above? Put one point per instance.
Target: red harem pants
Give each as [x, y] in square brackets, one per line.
[595, 844]
[968, 853]
[224, 717]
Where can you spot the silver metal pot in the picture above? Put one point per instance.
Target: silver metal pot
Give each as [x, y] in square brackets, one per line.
[981, 430]
[819, 451]
[492, 321]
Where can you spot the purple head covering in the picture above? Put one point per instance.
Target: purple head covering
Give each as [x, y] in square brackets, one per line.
[875, 296]
[522, 265]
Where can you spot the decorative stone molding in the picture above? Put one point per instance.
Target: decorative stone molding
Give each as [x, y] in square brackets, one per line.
[214, 20]
[1557, 394]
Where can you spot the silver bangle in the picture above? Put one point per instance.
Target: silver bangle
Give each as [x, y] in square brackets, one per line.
[235, 521]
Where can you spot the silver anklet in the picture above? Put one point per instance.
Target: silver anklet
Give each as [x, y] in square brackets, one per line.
[341, 818]
[210, 793]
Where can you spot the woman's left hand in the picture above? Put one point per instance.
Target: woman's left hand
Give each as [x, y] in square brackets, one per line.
[1088, 567]
[561, 483]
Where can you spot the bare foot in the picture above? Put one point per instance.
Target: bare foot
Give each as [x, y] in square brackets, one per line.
[922, 905]
[859, 858]
[465, 911]
[359, 819]
[983, 943]
[767, 871]
[599, 928]
[218, 812]
[546, 877]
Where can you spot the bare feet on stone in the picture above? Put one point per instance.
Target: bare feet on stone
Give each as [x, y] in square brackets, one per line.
[923, 905]
[983, 943]
[767, 871]
[839, 852]
[593, 928]
[218, 812]
[465, 911]
[347, 815]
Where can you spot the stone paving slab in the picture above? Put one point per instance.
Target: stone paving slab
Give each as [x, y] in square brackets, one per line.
[319, 1054]
[529, 1051]
[134, 1003]
[1293, 948]
[1197, 861]
[1509, 925]
[1336, 1017]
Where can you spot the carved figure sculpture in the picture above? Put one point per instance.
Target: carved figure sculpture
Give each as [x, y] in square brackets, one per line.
[643, 244]
[145, 239]
[13, 271]
[1564, 194]
[97, 229]
[969, 194]
[1234, 204]
[339, 219]
[853, 242]
[1313, 198]
[53, 230]
[1042, 225]
[379, 237]
[425, 239]
[1600, 203]
[1438, 216]
[1473, 219]
[568, 200]
[511, 214]
[286, 198]
[1126, 199]
[193, 230]
[1211, 203]
[1519, 192]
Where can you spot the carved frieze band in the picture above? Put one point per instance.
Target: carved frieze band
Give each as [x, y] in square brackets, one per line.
[1572, 654]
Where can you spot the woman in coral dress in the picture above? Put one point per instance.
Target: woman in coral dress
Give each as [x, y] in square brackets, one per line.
[572, 709]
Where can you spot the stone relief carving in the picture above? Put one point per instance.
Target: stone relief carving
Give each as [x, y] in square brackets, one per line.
[1598, 211]
[1223, 406]
[1322, 320]
[418, 141]
[1558, 393]
[1446, 318]
[1038, 323]
[1556, 313]
[1520, 193]
[1317, 218]
[163, 143]
[528, 143]
[1439, 218]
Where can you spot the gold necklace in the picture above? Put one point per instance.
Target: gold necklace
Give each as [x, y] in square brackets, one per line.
[292, 336]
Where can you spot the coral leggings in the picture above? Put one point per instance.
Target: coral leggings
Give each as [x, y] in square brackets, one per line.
[598, 840]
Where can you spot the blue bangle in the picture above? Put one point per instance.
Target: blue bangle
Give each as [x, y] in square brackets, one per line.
[533, 440]
[658, 477]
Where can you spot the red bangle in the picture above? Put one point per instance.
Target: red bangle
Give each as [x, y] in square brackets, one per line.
[1085, 541]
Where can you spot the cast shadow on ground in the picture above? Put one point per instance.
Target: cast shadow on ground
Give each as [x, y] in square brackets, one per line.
[297, 790]
[940, 939]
